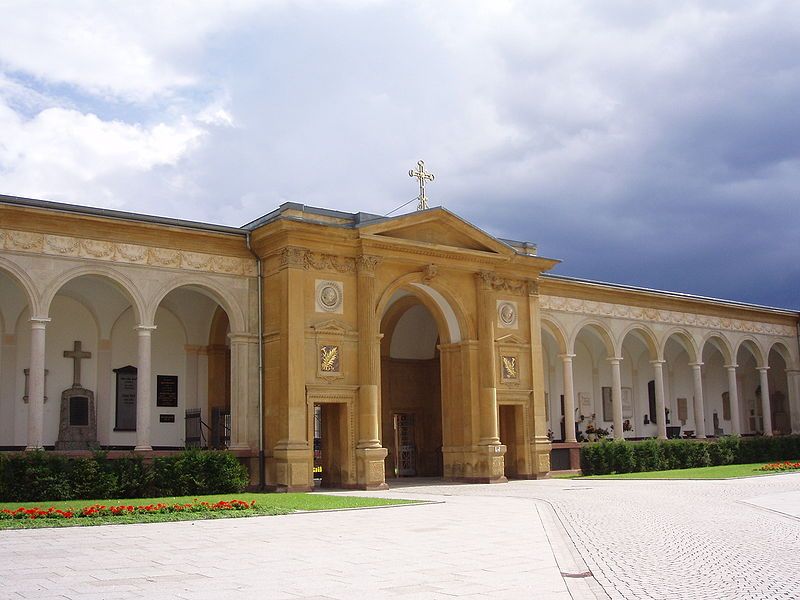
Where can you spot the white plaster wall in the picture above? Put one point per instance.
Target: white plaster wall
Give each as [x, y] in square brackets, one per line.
[168, 358]
[70, 321]
[415, 335]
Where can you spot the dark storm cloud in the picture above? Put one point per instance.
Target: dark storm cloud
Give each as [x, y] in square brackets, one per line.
[646, 143]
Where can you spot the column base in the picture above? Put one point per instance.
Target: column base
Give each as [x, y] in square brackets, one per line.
[33, 448]
[143, 449]
[293, 471]
[491, 464]
[371, 468]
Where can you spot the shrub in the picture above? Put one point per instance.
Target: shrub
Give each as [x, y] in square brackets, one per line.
[35, 476]
[133, 477]
[41, 476]
[648, 456]
[91, 478]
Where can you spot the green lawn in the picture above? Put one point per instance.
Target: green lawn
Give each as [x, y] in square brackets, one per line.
[720, 472]
[266, 504]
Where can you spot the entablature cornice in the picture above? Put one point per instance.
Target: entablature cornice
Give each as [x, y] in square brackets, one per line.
[654, 315]
[50, 245]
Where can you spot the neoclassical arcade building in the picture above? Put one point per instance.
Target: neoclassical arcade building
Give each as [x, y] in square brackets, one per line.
[358, 347]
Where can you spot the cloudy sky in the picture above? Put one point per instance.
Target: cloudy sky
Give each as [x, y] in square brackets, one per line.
[647, 143]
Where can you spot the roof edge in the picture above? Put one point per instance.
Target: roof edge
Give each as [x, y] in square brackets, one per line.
[678, 295]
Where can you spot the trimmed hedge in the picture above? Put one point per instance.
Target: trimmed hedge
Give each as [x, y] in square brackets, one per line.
[41, 476]
[619, 456]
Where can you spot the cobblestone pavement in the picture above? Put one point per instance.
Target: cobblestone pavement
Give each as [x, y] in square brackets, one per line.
[675, 539]
[524, 540]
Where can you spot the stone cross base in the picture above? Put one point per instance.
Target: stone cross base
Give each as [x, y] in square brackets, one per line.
[77, 429]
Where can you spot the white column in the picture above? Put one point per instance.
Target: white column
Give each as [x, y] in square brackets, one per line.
[794, 398]
[569, 398]
[661, 417]
[616, 396]
[143, 385]
[239, 388]
[733, 397]
[36, 384]
[765, 407]
[699, 407]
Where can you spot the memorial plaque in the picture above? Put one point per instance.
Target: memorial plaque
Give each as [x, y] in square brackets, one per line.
[125, 419]
[167, 390]
[166, 418]
[79, 411]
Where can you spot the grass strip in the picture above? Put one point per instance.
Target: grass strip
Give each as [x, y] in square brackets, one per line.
[265, 504]
[718, 472]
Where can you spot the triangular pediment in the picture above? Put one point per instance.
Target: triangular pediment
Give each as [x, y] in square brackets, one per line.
[437, 227]
[331, 327]
[511, 340]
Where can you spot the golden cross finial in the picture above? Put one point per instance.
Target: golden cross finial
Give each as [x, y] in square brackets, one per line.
[423, 177]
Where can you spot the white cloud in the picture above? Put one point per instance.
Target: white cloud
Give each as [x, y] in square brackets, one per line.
[64, 154]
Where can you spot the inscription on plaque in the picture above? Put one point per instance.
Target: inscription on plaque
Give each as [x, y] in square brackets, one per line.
[78, 411]
[167, 390]
[125, 419]
[165, 418]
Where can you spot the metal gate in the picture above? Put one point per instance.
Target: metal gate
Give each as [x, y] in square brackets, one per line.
[405, 448]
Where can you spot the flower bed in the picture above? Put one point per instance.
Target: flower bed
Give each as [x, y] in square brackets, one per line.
[786, 465]
[101, 510]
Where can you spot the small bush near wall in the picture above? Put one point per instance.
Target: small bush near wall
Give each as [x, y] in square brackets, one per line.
[42, 476]
[619, 456]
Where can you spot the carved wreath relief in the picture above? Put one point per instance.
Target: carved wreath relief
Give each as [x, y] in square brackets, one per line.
[507, 314]
[329, 296]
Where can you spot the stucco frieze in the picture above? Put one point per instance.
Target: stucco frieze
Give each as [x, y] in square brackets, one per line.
[60, 245]
[654, 315]
[329, 262]
[492, 281]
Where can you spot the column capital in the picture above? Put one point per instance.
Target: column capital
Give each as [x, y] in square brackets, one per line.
[764, 369]
[730, 367]
[144, 329]
[614, 360]
[294, 256]
[696, 365]
[566, 356]
[243, 337]
[658, 362]
[39, 322]
[366, 264]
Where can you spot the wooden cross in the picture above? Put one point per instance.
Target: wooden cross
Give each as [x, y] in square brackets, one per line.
[423, 177]
[76, 355]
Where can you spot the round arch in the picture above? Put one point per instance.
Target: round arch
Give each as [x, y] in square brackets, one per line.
[26, 283]
[445, 308]
[783, 350]
[117, 279]
[685, 340]
[752, 346]
[721, 343]
[645, 335]
[207, 288]
[556, 331]
[598, 328]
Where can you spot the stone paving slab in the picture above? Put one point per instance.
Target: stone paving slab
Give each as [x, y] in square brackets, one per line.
[474, 548]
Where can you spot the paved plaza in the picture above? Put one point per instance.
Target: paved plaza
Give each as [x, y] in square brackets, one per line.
[527, 539]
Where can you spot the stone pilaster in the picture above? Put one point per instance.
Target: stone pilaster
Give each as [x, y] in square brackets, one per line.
[292, 453]
[240, 388]
[540, 444]
[370, 456]
[104, 404]
[491, 465]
